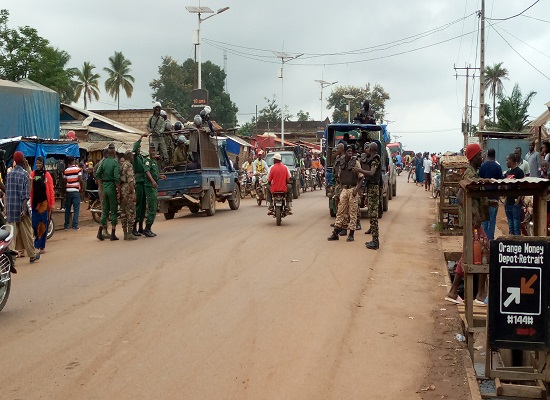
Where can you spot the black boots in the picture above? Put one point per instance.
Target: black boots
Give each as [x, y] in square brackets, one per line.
[350, 236]
[135, 231]
[334, 235]
[147, 231]
[113, 236]
[373, 245]
[100, 234]
[368, 232]
[358, 226]
[343, 232]
[140, 230]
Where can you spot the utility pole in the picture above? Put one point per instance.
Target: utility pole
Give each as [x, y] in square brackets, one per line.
[482, 69]
[465, 126]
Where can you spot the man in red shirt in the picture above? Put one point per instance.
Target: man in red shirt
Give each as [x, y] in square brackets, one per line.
[278, 181]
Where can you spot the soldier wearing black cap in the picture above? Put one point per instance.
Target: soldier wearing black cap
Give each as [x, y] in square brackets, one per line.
[108, 174]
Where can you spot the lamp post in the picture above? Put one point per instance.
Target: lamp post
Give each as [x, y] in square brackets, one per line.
[197, 40]
[349, 98]
[323, 84]
[285, 57]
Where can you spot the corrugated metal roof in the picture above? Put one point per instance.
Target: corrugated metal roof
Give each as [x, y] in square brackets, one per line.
[128, 139]
[116, 124]
[237, 139]
[519, 183]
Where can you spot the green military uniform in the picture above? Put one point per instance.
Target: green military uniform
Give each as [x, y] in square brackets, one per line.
[373, 194]
[139, 175]
[150, 165]
[109, 175]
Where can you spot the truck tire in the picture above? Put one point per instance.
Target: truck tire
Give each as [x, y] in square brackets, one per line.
[331, 208]
[295, 191]
[169, 215]
[380, 209]
[194, 209]
[236, 201]
[394, 189]
[385, 202]
[211, 202]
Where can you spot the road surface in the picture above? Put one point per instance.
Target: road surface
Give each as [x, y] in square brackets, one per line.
[228, 307]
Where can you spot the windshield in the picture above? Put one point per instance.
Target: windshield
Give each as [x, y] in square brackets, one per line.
[288, 159]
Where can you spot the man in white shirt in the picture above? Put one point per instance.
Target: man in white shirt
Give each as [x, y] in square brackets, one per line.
[533, 159]
[427, 172]
[523, 165]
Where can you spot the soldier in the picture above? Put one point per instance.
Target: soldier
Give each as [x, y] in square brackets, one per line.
[127, 195]
[99, 185]
[156, 127]
[139, 176]
[152, 176]
[108, 174]
[168, 130]
[350, 181]
[372, 172]
[336, 167]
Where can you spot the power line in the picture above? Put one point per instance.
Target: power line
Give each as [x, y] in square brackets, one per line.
[524, 59]
[537, 19]
[433, 131]
[525, 43]
[513, 16]
[463, 23]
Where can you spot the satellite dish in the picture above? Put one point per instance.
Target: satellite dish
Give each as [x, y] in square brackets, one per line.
[87, 121]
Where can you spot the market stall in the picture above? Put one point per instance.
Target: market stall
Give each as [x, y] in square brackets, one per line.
[452, 169]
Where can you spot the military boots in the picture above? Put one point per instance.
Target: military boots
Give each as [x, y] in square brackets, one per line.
[334, 235]
[374, 244]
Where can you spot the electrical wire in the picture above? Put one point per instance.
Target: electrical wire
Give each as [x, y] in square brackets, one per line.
[513, 16]
[537, 19]
[463, 23]
[524, 59]
[525, 43]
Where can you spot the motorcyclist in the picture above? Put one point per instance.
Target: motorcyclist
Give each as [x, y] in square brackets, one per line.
[398, 160]
[259, 166]
[278, 181]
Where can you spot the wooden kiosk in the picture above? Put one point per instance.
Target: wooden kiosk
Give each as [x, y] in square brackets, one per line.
[537, 369]
[452, 168]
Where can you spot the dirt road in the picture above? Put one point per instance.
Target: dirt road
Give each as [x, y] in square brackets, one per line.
[229, 307]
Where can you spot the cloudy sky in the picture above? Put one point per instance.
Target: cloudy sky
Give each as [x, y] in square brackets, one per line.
[427, 101]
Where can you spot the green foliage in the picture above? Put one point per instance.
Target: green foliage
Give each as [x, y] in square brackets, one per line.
[175, 83]
[87, 84]
[303, 116]
[246, 129]
[271, 112]
[376, 95]
[512, 110]
[494, 75]
[24, 54]
[119, 77]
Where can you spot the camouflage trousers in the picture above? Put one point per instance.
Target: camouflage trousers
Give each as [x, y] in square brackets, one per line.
[169, 146]
[127, 207]
[347, 207]
[373, 198]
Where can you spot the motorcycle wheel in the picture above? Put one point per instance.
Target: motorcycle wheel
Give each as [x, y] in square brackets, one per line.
[51, 229]
[243, 192]
[435, 192]
[96, 215]
[259, 201]
[278, 215]
[6, 262]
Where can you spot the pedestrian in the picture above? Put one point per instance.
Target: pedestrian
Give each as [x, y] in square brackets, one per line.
[17, 205]
[427, 165]
[544, 169]
[373, 174]
[545, 151]
[108, 174]
[479, 214]
[419, 169]
[522, 164]
[534, 160]
[42, 202]
[337, 187]
[151, 185]
[512, 205]
[127, 195]
[139, 176]
[156, 127]
[99, 185]
[491, 169]
[237, 163]
[73, 189]
[350, 181]
[60, 183]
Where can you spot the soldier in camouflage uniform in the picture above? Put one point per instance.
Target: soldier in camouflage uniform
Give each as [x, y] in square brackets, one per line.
[127, 195]
[336, 166]
[372, 175]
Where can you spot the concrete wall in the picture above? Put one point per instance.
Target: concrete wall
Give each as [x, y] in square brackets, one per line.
[135, 118]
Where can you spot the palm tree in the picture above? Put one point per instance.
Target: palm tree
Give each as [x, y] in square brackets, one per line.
[86, 83]
[119, 77]
[513, 110]
[493, 81]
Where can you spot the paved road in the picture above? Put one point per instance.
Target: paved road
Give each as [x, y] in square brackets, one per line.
[217, 308]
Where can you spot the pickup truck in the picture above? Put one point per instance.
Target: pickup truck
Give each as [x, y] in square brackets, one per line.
[200, 185]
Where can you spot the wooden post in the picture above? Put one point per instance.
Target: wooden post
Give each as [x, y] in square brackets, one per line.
[468, 278]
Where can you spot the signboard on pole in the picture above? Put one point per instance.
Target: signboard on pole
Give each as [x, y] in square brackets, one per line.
[518, 290]
[199, 99]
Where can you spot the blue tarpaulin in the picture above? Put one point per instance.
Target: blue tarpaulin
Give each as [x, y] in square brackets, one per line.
[32, 149]
[28, 109]
[233, 147]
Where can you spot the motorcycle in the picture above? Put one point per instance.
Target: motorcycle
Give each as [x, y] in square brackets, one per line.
[7, 265]
[435, 184]
[398, 169]
[279, 207]
[94, 204]
[246, 184]
[260, 188]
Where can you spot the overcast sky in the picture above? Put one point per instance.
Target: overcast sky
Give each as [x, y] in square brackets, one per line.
[427, 102]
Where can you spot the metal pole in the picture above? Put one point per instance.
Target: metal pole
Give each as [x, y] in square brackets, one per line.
[482, 70]
[321, 102]
[282, 103]
[200, 51]
[466, 111]
[349, 111]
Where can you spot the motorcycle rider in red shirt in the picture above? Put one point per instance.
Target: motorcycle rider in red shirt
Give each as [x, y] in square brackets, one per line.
[278, 181]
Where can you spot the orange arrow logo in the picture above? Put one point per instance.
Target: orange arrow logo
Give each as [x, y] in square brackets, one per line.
[526, 286]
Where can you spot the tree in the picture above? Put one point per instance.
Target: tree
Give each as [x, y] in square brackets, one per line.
[512, 110]
[246, 128]
[493, 81]
[271, 112]
[119, 77]
[24, 54]
[376, 95]
[87, 84]
[174, 88]
[303, 116]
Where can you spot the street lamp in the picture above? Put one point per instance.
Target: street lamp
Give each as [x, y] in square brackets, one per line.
[323, 84]
[285, 57]
[197, 40]
[349, 98]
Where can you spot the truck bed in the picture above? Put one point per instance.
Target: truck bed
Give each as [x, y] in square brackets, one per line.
[186, 182]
